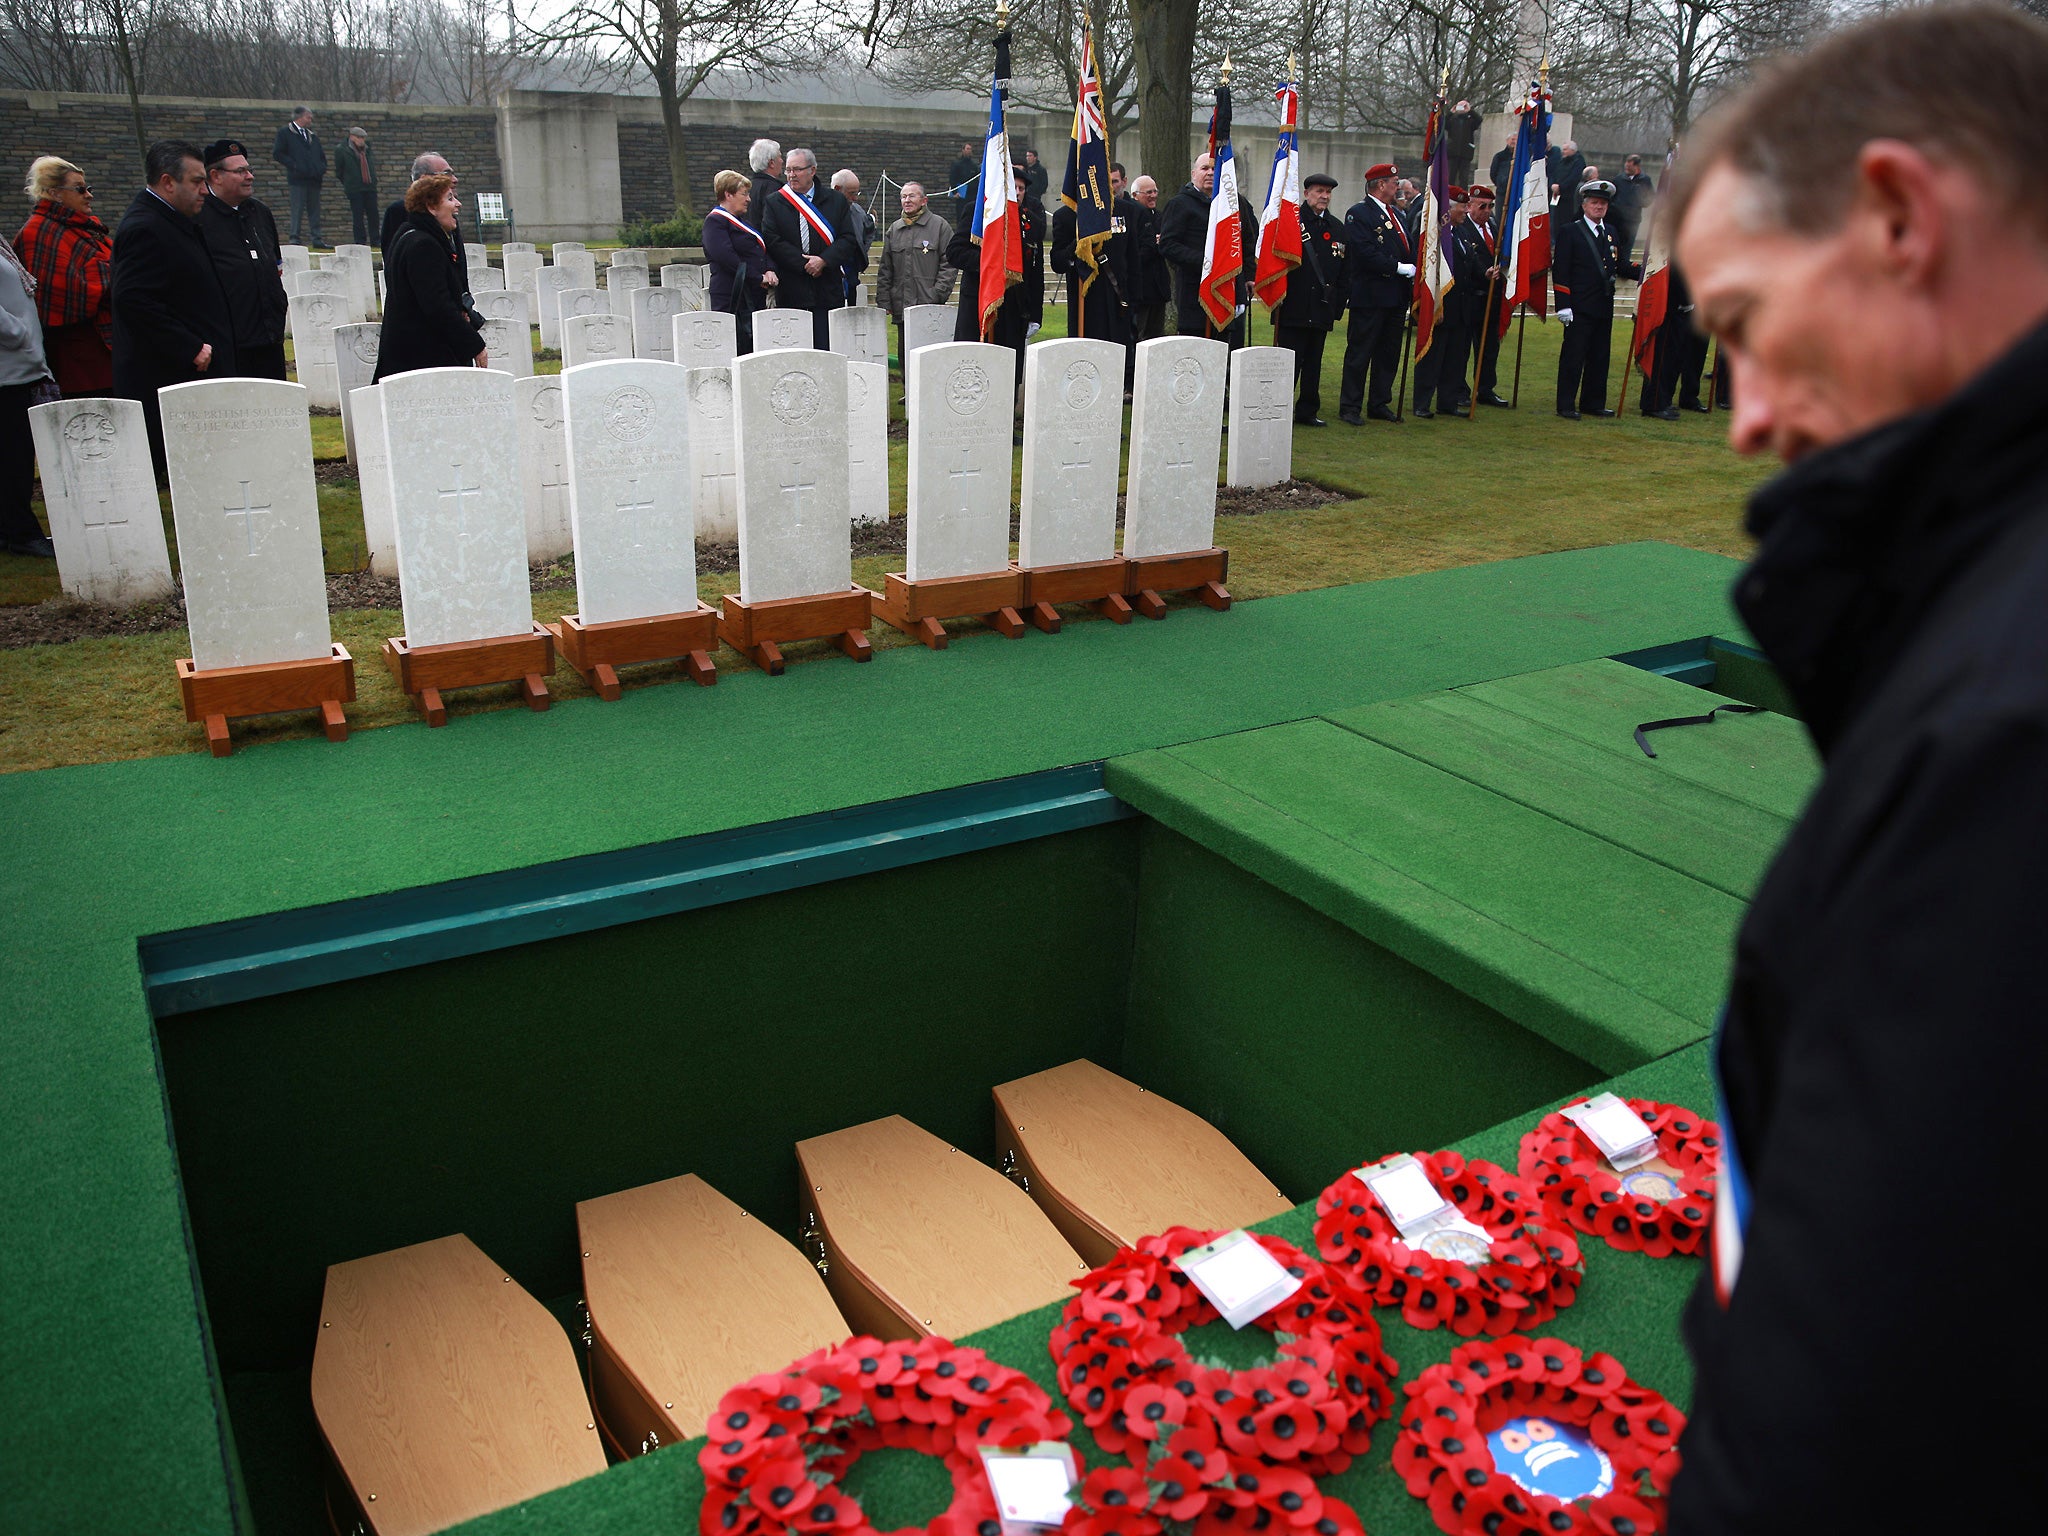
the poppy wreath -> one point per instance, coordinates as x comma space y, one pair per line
1660, 1215
1120, 1501
1443, 1456
1125, 1371
779, 1445
1532, 1269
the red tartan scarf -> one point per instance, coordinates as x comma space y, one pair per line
69, 255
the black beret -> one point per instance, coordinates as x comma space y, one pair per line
220, 149
1319, 179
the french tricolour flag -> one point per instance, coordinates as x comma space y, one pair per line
1223, 250
1280, 219
1653, 299
1526, 222
996, 227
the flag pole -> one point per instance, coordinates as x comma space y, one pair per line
1521, 326
1635, 330
1479, 357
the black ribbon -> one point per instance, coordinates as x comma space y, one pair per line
1643, 730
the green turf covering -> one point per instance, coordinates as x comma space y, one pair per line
103, 1327
1629, 1305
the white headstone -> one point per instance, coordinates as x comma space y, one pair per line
314, 319
517, 248
654, 314
861, 333
924, 324
860, 295
629, 256
240, 454
509, 344
544, 467
962, 424
1261, 417
486, 280
581, 301
621, 283
714, 451
775, 328
520, 267
681, 274
363, 272
867, 440
629, 490
373, 475
328, 283
595, 339
789, 410
560, 246
704, 338
1176, 422
457, 505
549, 284
294, 258
1073, 432
383, 288
100, 492
355, 364
476, 255
503, 306
581, 266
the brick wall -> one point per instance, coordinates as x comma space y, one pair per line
97, 134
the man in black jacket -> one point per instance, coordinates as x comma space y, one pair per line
764, 160
1461, 132
241, 237
1633, 195
1183, 241
426, 163
1379, 258
1440, 372
808, 229
1314, 298
1486, 341
1503, 170
1586, 259
171, 322
1882, 1052
1567, 169
297, 149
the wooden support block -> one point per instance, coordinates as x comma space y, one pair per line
916, 607
1110, 1163
688, 1294
597, 651
443, 1390
1045, 617
1201, 571
424, 671
919, 1238
219, 694
1098, 583
759, 630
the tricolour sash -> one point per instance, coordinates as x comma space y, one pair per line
809, 215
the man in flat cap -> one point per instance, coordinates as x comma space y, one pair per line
1379, 258
241, 238
1315, 297
1585, 261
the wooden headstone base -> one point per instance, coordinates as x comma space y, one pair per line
424, 671
1098, 583
758, 631
1201, 571
916, 607
220, 694
596, 651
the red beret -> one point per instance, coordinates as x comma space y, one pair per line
1380, 172
1482, 192
1458, 194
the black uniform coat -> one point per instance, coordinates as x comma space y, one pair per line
243, 244
1151, 277
1376, 242
1316, 290
1502, 170
1469, 260
760, 189
1106, 318
779, 224
1183, 241
427, 319
168, 303
1565, 171
1023, 306
1888, 991
1583, 269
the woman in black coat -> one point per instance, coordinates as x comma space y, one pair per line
428, 319
740, 273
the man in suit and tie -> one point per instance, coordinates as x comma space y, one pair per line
1379, 258
810, 237
1585, 261
297, 149
1495, 280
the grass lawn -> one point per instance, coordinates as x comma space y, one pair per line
1425, 494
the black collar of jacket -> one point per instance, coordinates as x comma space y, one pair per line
427, 224
1859, 541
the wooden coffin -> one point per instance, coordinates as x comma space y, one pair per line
443, 1390
688, 1296
1110, 1163
920, 1238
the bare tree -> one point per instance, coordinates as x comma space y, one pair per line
1660, 61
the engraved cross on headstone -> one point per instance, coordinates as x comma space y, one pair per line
461, 493
1183, 459
795, 493
720, 485
248, 512
103, 503
964, 472
1077, 446
634, 509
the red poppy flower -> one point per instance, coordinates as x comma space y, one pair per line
1179, 1491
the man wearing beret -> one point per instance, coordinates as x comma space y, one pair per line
1440, 372
1379, 256
1486, 344
1586, 259
241, 238
1314, 299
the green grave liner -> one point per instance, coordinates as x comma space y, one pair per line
104, 1322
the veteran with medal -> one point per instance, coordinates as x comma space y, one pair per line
1379, 256
1314, 299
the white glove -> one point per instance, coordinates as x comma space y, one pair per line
1565, 316
1031, 330
1404, 268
